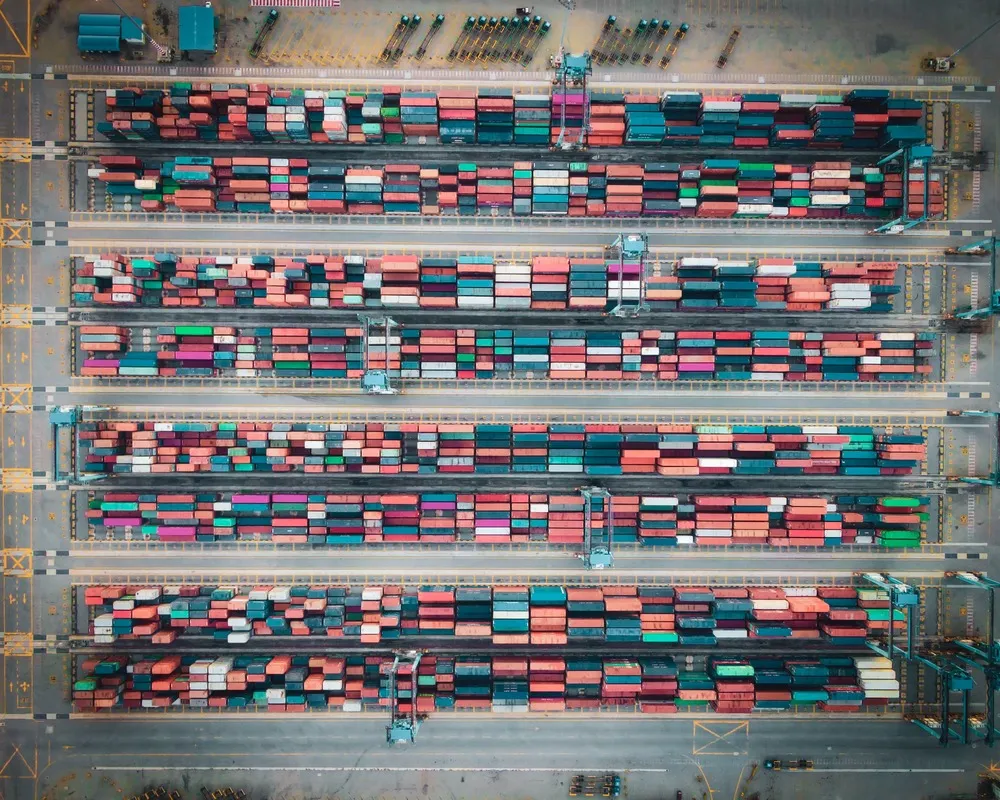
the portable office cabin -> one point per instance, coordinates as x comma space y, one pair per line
196, 31
133, 31
99, 33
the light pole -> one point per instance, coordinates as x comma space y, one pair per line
160, 50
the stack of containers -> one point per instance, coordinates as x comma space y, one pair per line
495, 116
532, 114
644, 122
511, 615
539, 616
363, 190
418, 115
877, 678
756, 119
495, 189
550, 189
510, 685
661, 194
624, 190
718, 120
568, 109
863, 118
387, 448
401, 192
680, 116
657, 615
699, 283
607, 120
457, 110
261, 185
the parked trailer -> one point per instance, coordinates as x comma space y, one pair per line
479, 34
654, 42
619, 46
673, 44
533, 45
727, 51
397, 33
643, 32
400, 48
607, 32
435, 27
610, 44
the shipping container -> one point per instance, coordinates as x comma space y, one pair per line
481, 282
188, 351
260, 113
354, 683
719, 188
142, 447
504, 518
543, 615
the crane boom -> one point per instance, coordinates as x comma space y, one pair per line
976, 38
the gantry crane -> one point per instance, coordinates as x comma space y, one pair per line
630, 248
903, 598
403, 725
952, 676
985, 247
572, 70
982, 654
597, 546
376, 381
909, 157
67, 418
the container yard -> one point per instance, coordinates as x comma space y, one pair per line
498, 402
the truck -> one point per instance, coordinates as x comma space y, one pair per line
727, 51
265, 30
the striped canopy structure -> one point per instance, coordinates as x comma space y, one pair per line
296, 3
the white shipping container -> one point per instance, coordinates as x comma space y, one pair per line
698, 261
872, 662
776, 604
729, 463
827, 199
831, 174
775, 270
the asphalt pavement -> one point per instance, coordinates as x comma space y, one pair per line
478, 755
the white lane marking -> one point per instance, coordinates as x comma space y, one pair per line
589, 768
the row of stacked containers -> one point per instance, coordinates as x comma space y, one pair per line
142, 447
356, 683
861, 119
489, 518
507, 615
517, 616
712, 188
482, 283
192, 351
